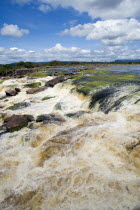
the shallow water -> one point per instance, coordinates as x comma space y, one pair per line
89, 162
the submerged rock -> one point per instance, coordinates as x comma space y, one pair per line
35, 90
53, 82
16, 122
50, 118
20, 105
77, 114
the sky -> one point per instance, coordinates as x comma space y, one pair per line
69, 30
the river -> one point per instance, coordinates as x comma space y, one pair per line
90, 161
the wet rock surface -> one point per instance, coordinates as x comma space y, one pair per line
35, 90
11, 92
50, 118
16, 122
53, 82
20, 105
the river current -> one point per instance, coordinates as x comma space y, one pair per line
90, 161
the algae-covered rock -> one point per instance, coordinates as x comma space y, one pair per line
16, 122
19, 106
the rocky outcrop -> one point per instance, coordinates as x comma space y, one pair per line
50, 118
35, 90
53, 82
16, 122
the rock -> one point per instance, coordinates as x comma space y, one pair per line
16, 122
17, 90
30, 117
20, 105
77, 114
50, 118
53, 82
11, 92
35, 90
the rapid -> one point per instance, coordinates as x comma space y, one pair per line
90, 161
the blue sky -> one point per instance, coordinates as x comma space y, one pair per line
88, 30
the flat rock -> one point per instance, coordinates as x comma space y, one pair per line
11, 92
53, 82
35, 90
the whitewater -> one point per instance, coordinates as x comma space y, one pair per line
90, 161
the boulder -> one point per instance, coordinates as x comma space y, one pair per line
35, 90
17, 90
53, 82
50, 118
16, 122
11, 92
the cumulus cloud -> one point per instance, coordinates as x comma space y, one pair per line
106, 9
13, 30
59, 52
110, 32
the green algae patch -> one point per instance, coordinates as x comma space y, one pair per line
47, 98
33, 85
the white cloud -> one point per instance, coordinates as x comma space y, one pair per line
44, 8
13, 30
59, 52
106, 9
110, 32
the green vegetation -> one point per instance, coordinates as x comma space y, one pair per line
47, 98
38, 74
88, 81
33, 85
